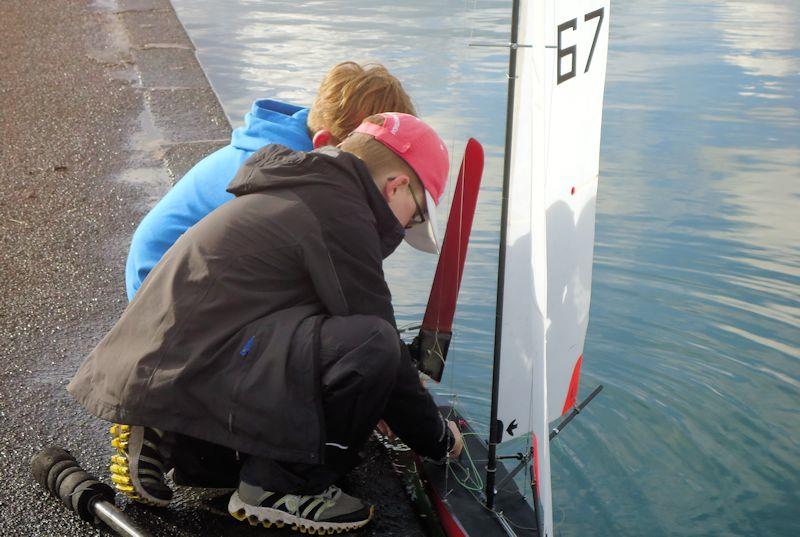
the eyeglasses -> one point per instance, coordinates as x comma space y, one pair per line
419, 214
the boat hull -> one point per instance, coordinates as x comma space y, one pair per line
460, 510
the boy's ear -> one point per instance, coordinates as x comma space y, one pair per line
393, 184
322, 138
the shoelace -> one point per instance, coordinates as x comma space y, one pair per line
331, 492
330, 496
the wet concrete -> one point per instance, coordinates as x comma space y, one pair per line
102, 108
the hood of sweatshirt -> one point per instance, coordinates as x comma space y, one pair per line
273, 122
277, 167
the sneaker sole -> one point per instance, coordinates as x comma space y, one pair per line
268, 517
124, 464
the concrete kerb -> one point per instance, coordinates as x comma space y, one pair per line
182, 120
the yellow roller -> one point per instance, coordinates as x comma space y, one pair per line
120, 479
117, 429
119, 469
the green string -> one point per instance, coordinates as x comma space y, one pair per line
471, 481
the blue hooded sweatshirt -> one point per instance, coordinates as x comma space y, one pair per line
202, 189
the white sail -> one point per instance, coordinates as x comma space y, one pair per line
550, 226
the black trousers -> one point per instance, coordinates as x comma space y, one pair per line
359, 357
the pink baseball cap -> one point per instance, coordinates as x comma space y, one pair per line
421, 148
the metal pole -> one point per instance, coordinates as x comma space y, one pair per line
512, 474
575, 411
491, 466
117, 520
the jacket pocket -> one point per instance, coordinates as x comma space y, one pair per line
243, 350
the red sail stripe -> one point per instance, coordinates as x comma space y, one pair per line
572, 392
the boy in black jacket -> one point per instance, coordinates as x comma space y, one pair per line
268, 329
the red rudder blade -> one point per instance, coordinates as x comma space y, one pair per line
437, 323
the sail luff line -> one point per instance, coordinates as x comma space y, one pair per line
494, 432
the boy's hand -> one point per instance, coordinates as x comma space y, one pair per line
458, 445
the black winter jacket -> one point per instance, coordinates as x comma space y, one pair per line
306, 235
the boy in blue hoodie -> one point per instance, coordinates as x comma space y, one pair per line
348, 94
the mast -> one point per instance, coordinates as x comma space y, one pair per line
494, 432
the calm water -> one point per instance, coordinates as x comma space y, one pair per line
695, 310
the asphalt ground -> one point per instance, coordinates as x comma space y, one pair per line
102, 108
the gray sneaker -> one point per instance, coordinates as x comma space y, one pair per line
330, 512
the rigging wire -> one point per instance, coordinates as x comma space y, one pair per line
471, 473
452, 351
480, 484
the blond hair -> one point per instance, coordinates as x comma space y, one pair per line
350, 92
380, 160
